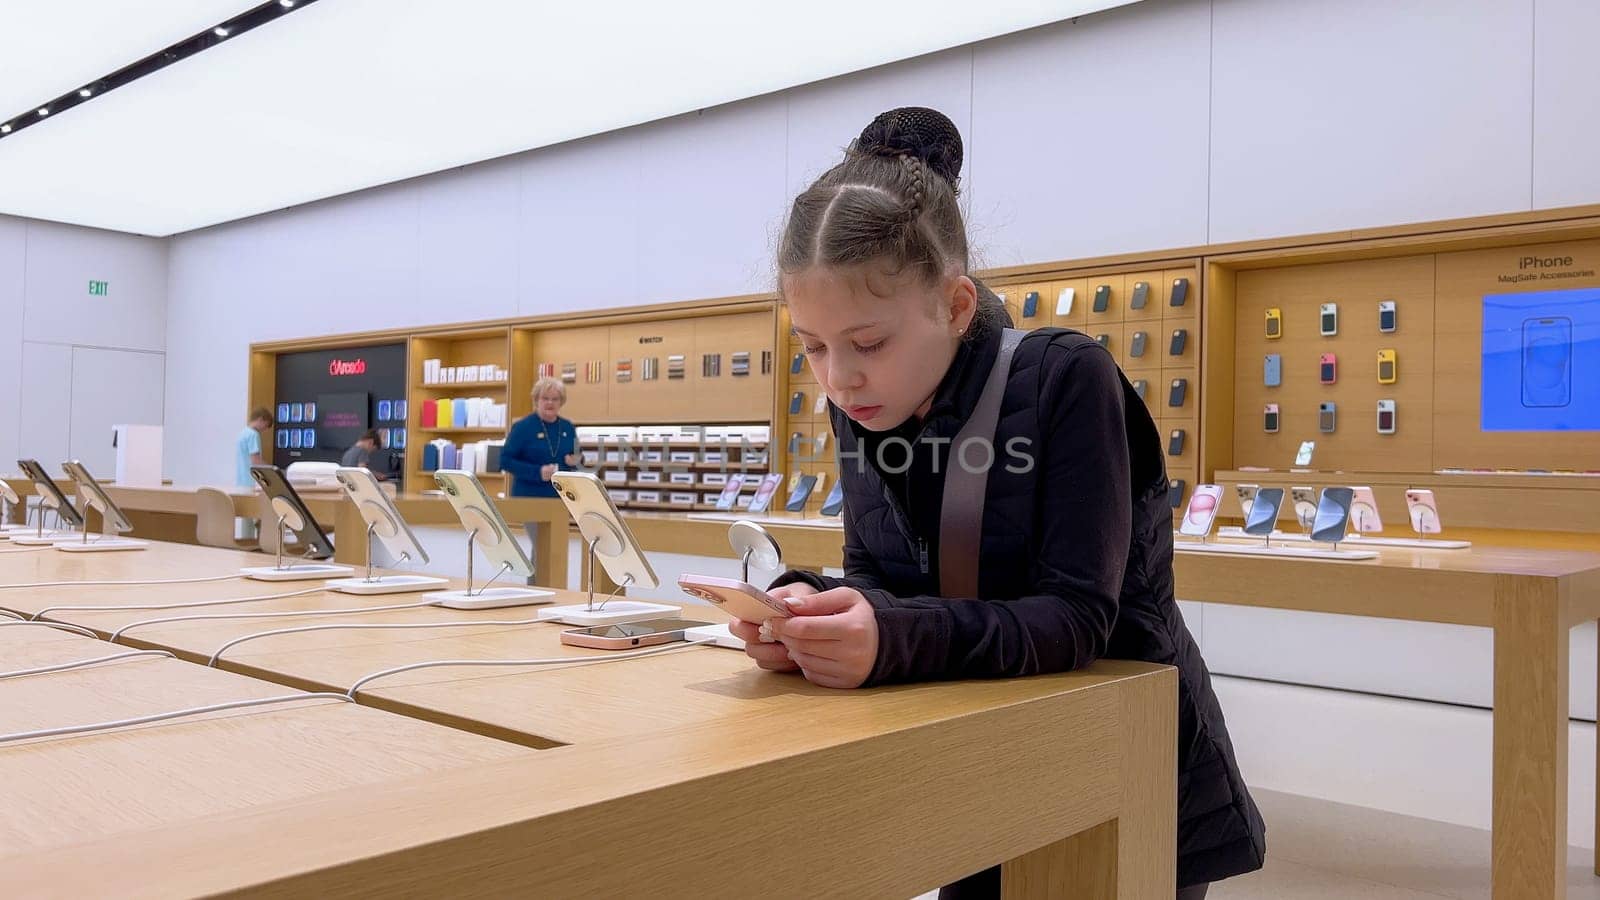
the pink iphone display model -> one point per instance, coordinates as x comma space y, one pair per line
1364, 516
626, 636
1202, 510
1424, 511
740, 600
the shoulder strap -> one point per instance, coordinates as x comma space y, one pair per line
961, 514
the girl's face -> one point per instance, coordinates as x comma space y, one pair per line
549, 405
879, 344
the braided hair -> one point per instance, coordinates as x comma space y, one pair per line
892, 201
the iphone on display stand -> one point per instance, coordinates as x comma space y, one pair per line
95, 497
1263, 516
1202, 510
1328, 368
1303, 456
1388, 367
1246, 494
292, 514
1272, 370
1064, 301
1327, 417
1180, 292
1141, 295
50, 498
1364, 516
1423, 510
1269, 418
1333, 515
488, 532
386, 525
1274, 323
610, 545
1305, 506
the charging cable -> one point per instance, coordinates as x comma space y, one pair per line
353, 626
561, 661
160, 717
270, 615
34, 584
62, 667
61, 625
187, 605
22, 550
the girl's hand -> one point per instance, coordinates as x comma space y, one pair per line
832, 637
769, 654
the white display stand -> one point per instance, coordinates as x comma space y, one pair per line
610, 612
718, 635
1233, 532
830, 522
492, 598
296, 572
1300, 552
103, 545
138, 454
386, 584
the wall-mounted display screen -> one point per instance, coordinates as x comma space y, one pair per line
1541, 361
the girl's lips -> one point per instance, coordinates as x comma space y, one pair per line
862, 413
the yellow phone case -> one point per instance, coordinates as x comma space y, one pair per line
1274, 323
1393, 367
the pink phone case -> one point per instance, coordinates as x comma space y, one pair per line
740, 600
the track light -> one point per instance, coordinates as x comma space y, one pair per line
84, 92
286, 4
5, 129
219, 31
44, 110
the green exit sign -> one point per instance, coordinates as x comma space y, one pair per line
99, 288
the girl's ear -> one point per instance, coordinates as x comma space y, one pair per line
962, 301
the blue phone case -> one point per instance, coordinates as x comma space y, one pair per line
1030, 304
1272, 370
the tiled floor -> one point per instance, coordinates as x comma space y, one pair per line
1320, 850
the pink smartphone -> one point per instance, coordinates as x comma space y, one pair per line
1202, 509
1364, 511
1424, 511
626, 636
742, 601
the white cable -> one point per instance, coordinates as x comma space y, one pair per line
22, 550
62, 667
333, 626
185, 605
271, 615
33, 584
7, 612
61, 625
562, 660
159, 717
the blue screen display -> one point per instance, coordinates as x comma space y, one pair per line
1541, 361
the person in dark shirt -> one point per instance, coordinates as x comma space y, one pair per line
1071, 560
360, 453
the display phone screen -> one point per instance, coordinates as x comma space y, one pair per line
1264, 511
1269, 419
1333, 514
1330, 319
1385, 418
1547, 362
640, 629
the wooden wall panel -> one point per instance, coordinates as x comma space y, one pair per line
638, 400
1463, 281
727, 397
1357, 287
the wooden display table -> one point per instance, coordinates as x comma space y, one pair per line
1531, 598
1067, 779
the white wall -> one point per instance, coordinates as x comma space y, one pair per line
71, 364
1163, 124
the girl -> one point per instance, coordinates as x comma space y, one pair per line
1072, 539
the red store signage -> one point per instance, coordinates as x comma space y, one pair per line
356, 366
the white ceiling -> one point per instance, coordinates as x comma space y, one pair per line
348, 94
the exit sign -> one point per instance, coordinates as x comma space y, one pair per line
99, 288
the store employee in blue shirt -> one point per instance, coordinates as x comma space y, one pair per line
541, 444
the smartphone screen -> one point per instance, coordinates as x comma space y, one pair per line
1264, 511
1333, 514
1547, 362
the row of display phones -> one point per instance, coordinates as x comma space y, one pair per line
1325, 518
1177, 392
1328, 319
1101, 301
1328, 417
1328, 368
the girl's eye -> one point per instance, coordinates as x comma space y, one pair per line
810, 350
874, 348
